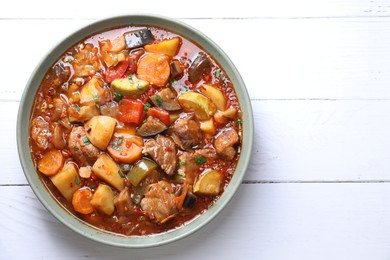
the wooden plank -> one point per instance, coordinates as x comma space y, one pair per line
202, 9
286, 58
295, 140
288, 221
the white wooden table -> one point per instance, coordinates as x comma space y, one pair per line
318, 74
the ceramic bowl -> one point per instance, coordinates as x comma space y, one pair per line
25, 111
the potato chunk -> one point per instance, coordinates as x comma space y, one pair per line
103, 199
92, 92
106, 169
197, 103
215, 95
168, 47
67, 181
99, 130
209, 183
82, 114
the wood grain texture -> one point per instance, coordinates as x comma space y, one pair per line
289, 58
318, 74
268, 221
295, 140
277, 9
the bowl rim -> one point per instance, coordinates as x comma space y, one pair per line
23, 120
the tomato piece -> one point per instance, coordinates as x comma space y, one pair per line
130, 111
161, 114
113, 73
133, 61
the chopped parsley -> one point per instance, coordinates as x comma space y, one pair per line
77, 108
86, 140
179, 177
238, 122
218, 73
119, 141
184, 89
146, 107
200, 160
97, 105
76, 149
121, 174
117, 97
183, 163
76, 180
131, 78
95, 97
119, 149
116, 144
159, 101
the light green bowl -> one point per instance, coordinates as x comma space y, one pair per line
49, 201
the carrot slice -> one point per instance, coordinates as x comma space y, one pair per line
180, 199
81, 201
51, 162
154, 68
125, 147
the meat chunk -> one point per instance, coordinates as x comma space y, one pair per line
186, 132
224, 142
159, 202
123, 203
166, 99
188, 167
163, 152
40, 132
85, 152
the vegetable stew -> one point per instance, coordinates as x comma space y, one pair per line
136, 130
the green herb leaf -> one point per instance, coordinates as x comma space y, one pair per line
159, 101
183, 163
117, 97
76, 180
119, 149
119, 140
77, 108
146, 107
95, 97
86, 140
200, 160
184, 89
238, 122
76, 149
131, 78
178, 177
97, 105
121, 174
218, 73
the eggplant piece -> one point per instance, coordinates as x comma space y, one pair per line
138, 38
200, 65
189, 201
177, 69
166, 99
151, 126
